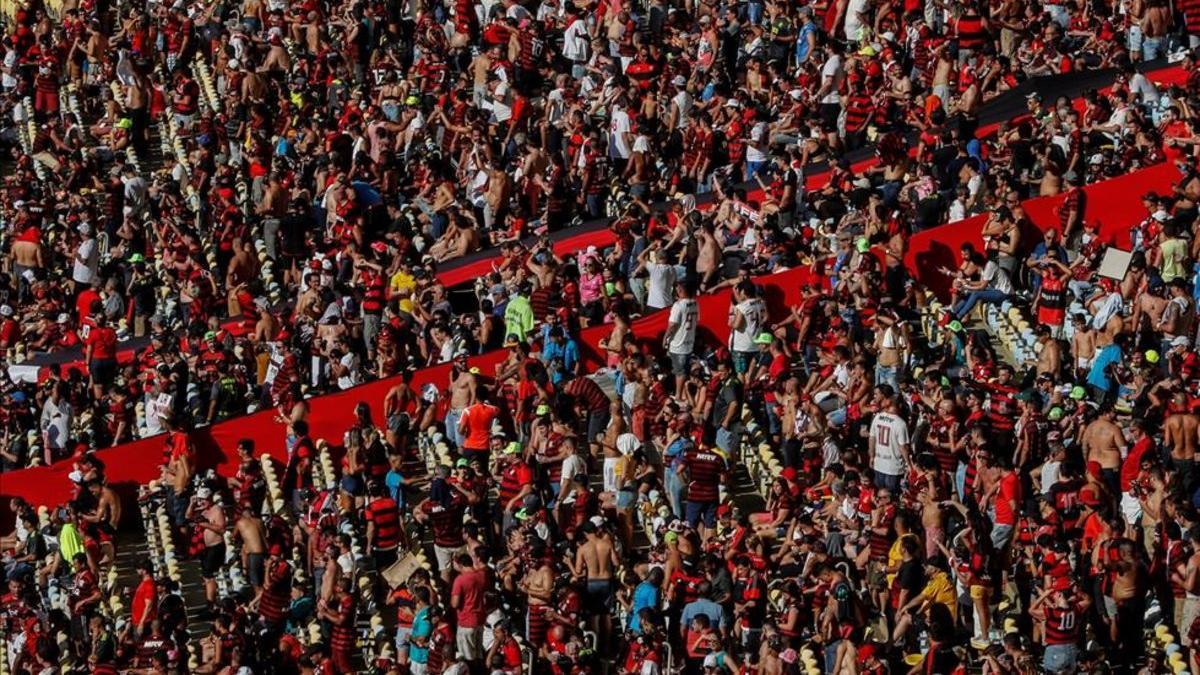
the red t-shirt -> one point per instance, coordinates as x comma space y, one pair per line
83, 304
103, 341
471, 587
145, 601
510, 652
1132, 465
1010, 492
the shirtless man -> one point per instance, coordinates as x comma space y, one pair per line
27, 257
1083, 345
1128, 593
1049, 359
273, 208
209, 517
396, 404
596, 561
941, 75
1190, 607
460, 238
243, 268
1150, 306
769, 662
106, 516
481, 67
499, 188
538, 585
708, 258
893, 346
254, 86
267, 327
253, 535
461, 393
277, 57
1179, 435
1104, 443
1154, 22
137, 102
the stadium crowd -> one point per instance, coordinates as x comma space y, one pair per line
218, 209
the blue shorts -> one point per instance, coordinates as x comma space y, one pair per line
701, 511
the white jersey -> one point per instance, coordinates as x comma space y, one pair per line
755, 314
891, 434
685, 314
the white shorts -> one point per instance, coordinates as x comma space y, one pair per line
470, 643
445, 556
1131, 508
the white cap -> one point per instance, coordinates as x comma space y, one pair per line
64, 318
796, 94
75, 477
679, 81
6, 310
598, 521
1161, 216
234, 64
628, 443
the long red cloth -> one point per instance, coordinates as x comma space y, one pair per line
1114, 203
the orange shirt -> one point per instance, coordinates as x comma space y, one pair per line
477, 419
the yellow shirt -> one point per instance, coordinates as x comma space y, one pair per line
940, 589
401, 281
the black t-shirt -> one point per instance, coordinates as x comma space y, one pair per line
142, 290
729, 393
911, 577
722, 583
292, 230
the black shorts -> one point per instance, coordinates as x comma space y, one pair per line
256, 568
103, 371
829, 116
211, 561
399, 424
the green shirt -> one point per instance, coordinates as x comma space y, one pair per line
1174, 254
70, 542
518, 317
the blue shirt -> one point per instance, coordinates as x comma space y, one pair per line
802, 46
676, 450
1042, 251
714, 612
421, 628
395, 485
567, 353
1098, 377
645, 595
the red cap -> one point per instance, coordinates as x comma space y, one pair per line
865, 653
788, 473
